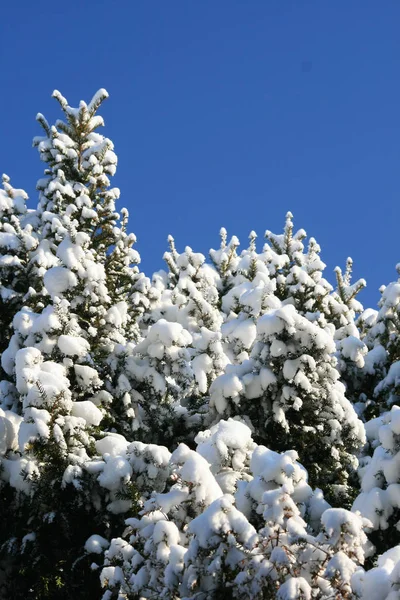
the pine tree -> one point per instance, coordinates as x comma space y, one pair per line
61, 355
181, 353
272, 537
289, 392
195, 292
247, 298
379, 498
17, 240
299, 277
194, 286
383, 358
296, 276
225, 260
342, 310
157, 375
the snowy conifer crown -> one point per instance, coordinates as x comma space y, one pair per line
223, 429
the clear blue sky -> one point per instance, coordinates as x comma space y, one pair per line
224, 112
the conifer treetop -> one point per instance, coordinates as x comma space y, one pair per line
74, 147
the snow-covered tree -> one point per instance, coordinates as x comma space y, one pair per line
171, 369
248, 298
195, 295
379, 498
225, 260
343, 309
298, 273
194, 541
17, 240
151, 428
60, 359
382, 368
289, 391
157, 375
300, 280
194, 287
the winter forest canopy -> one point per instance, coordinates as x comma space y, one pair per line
228, 428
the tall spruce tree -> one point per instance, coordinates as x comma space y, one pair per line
246, 299
383, 359
61, 355
196, 296
299, 276
225, 259
17, 240
171, 369
289, 393
344, 311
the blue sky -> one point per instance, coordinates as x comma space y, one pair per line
224, 113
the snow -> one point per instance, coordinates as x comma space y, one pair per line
243, 331
202, 365
225, 386
354, 349
96, 544
216, 444
100, 95
376, 584
9, 241
295, 588
20, 472
196, 471
85, 409
166, 334
73, 345
117, 314
59, 280
87, 377
113, 444
116, 470
391, 379
72, 254
9, 428
221, 517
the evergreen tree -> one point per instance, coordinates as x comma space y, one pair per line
60, 356
273, 537
194, 286
289, 392
225, 260
157, 375
101, 364
17, 240
299, 277
249, 297
383, 359
379, 498
343, 309
296, 276
195, 292
181, 354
